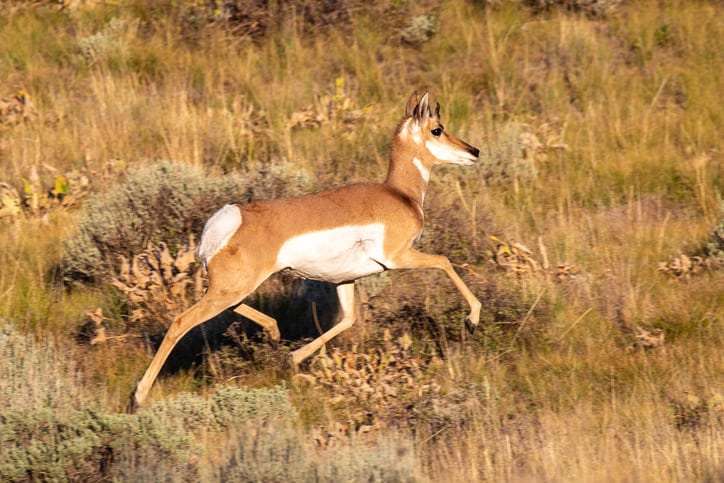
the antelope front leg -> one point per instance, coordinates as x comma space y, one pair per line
345, 292
414, 259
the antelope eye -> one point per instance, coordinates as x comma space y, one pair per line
437, 131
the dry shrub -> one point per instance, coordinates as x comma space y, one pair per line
16, 109
10, 203
513, 258
380, 385
709, 257
684, 266
159, 285
258, 18
37, 199
692, 412
384, 373
255, 18
385, 386
593, 8
338, 109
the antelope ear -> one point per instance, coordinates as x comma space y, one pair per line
437, 110
411, 104
422, 110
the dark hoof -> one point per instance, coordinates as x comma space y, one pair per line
132, 405
470, 326
288, 364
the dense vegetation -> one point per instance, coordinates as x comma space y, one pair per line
592, 230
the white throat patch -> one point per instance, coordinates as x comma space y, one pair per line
424, 172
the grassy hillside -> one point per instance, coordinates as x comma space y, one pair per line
592, 230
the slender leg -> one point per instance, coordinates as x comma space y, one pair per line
414, 259
212, 304
269, 324
345, 292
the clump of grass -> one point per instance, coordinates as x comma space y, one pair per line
280, 454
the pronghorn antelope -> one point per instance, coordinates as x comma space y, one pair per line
335, 236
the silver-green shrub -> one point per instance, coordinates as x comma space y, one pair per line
509, 156
107, 42
164, 202
51, 429
160, 202
420, 29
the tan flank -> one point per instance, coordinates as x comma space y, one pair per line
336, 236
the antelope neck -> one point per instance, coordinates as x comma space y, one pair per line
408, 174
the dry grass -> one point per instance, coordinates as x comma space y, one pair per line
614, 123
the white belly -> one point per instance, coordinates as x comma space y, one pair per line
335, 255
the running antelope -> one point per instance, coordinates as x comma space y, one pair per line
335, 236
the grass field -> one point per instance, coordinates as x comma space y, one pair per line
592, 230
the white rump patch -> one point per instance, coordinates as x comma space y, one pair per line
445, 152
218, 231
335, 255
424, 172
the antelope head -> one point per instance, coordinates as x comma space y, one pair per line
433, 144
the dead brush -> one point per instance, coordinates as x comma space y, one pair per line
710, 257
16, 109
518, 261
683, 266
37, 199
691, 412
377, 387
513, 258
338, 110
158, 284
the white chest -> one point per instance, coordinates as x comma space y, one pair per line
335, 255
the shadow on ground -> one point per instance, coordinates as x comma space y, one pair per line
302, 309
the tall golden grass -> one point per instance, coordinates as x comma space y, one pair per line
633, 96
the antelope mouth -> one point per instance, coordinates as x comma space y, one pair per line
468, 158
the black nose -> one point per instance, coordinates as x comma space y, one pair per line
474, 151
